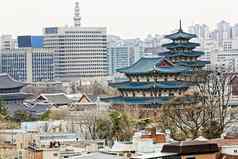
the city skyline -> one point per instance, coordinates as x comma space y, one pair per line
128, 19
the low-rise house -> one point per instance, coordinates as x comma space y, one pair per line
8, 151
228, 147
18, 137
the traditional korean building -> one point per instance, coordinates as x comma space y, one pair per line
152, 82
10, 90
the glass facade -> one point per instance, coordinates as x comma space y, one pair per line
30, 41
42, 66
14, 63
28, 64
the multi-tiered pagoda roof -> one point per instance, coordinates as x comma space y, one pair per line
152, 82
152, 65
181, 50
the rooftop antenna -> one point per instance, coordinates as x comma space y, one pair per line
77, 18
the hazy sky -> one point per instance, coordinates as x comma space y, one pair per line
127, 18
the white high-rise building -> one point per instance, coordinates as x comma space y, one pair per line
202, 31
81, 52
229, 45
7, 42
225, 60
235, 31
224, 31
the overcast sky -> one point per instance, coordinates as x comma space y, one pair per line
127, 18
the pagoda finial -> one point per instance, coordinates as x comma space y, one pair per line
180, 25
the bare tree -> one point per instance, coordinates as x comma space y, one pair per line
215, 93
187, 114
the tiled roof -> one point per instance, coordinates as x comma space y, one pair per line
15, 96
58, 98
150, 85
12, 108
179, 53
180, 35
188, 45
193, 63
38, 109
147, 65
137, 100
6, 82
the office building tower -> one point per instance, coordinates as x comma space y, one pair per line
224, 32
81, 52
28, 64
235, 31
8, 42
229, 45
202, 31
118, 58
225, 61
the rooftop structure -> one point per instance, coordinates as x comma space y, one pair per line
152, 82
190, 147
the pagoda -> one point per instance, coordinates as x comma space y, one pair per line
152, 82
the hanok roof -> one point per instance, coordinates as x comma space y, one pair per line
180, 35
38, 109
193, 63
190, 147
180, 53
12, 108
150, 85
57, 99
137, 100
15, 96
174, 45
147, 65
6, 82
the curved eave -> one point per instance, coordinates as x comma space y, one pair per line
136, 100
144, 64
149, 85
180, 35
164, 70
186, 54
180, 45
193, 63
